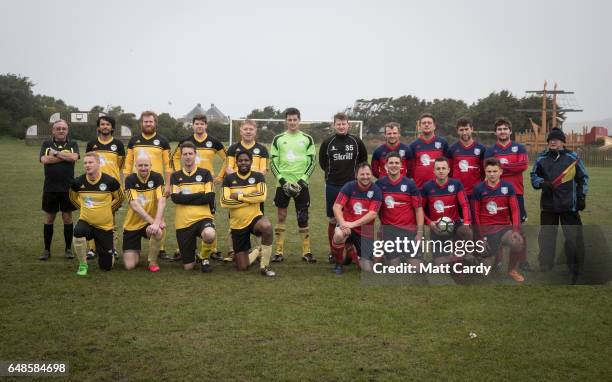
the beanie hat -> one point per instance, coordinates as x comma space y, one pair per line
556, 133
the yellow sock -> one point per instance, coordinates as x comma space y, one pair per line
257, 241
153, 249
80, 247
304, 233
254, 254
214, 245
162, 243
266, 254
91, 245
206, 250
279, 236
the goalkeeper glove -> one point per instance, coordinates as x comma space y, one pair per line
294, 189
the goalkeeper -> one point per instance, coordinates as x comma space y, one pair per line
292, 161
563, 179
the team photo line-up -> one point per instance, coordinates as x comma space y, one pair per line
463, 191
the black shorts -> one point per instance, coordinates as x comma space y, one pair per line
103, 240
494, 241
302, 201
186, 239
52, 202
390, 233
241, 238
363, 245
331, 193
131, 239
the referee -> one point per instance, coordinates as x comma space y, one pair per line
58, 155
563, 179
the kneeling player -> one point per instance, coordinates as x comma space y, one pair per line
145, 217
243, 193
192, 192
446, 197
401, 214
355, 210
97, 195
497, 216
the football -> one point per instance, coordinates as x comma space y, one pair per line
445, 225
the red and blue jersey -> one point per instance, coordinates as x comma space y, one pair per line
448, 200
496, 207
424, 152
356, 202
400, 199
514, 160
379, 161
466, 164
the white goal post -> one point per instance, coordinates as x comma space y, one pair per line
356, 123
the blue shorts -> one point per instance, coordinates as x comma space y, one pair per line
331, 193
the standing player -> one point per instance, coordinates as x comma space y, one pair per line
563, 179
58, 155
339, 156
497, 217
98, 195
401, 213
446, 197
206, 148
425, 149
392, 138
514, 161
156, 147
355, 210
259, 153
145, 216
292, 161
243, 193
466, 156
192, 192
112, 155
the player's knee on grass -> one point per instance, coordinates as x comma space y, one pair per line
302, 217
366, 265
242, 261
208, 235
130, 259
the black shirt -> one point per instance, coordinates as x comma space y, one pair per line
58, 176
339, 156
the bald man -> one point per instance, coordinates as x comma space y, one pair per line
144, 191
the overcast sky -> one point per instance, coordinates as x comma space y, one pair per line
317, 55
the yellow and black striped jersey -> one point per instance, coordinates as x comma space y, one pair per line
257, 150
155, 146
96, 199
251, 190
111, 153
147, 192
193, 195
206, 149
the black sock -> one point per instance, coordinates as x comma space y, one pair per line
68, 235
48, 231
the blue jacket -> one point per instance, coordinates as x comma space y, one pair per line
550, 166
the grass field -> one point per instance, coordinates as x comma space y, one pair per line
306, 324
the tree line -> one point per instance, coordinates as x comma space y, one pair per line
21, 108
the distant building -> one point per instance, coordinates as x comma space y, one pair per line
213, 115
596, 132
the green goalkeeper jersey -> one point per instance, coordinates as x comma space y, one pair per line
292, 156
